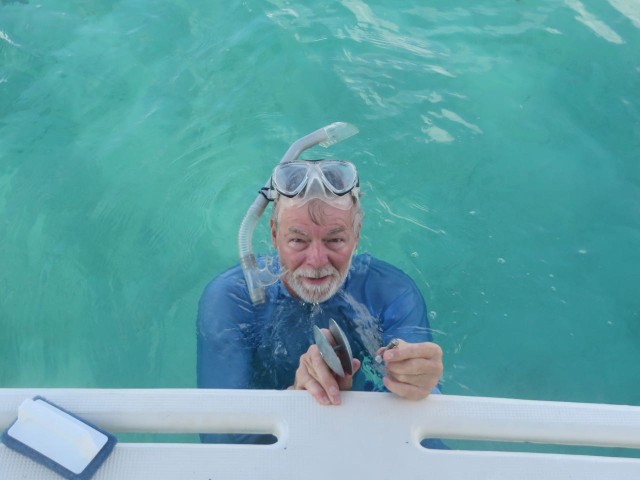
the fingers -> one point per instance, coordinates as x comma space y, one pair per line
327, 386
316, 390
405, 351
346, 382
405, 390
413, 369
314, 375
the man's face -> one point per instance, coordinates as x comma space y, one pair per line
316, 254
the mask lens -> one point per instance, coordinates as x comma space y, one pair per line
290, 178
341, 177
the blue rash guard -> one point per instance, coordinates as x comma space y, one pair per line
241, 345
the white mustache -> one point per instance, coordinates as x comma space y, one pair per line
316, 273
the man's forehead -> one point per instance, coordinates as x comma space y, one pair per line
301, 230
331, 221
327, 214
320, 213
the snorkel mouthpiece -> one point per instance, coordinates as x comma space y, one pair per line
257, 278
250, 269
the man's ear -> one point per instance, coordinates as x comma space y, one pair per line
272, 223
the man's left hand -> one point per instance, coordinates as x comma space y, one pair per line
413, 369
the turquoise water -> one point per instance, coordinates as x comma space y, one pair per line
498, 153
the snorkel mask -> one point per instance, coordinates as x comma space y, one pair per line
298, 181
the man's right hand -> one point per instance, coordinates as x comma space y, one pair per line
314, 375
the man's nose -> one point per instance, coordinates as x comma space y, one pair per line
317, 255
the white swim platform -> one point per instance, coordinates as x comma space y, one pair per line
370, 436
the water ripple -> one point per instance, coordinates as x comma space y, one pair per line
590, 20
387, 209
5, 37
628, 8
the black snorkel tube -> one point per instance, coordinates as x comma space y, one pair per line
255, 277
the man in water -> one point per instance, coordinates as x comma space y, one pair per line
315, 229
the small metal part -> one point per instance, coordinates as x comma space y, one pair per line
339, 358
392, 344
